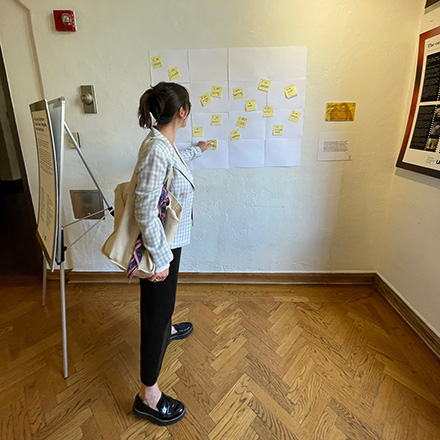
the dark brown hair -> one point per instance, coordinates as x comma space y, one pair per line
162, 101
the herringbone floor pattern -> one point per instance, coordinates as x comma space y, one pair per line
264, 362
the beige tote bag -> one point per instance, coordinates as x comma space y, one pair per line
119, 247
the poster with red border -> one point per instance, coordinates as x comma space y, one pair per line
420, 150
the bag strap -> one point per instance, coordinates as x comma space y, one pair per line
169, 178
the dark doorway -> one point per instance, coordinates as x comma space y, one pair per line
20, 253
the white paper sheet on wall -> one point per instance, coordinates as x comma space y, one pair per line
281, 118
169, 60
210, 131
286, 62
249, 91
255, 124
216, 104
249, 63
218, 158
246, 153
230, 89
282, 153
276, 96
208, 64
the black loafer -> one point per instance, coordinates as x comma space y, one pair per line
184, 329
168, 411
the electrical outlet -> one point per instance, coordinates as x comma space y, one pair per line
69, 141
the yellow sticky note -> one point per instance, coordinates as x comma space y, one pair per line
235, 135
241, 122
290, 91
251, 105
173, 73
216, 119
294, 116
205, 99
278, 130
216, 91
238, 93
197, 132
264, 85
268, 111
213, 144
156, 62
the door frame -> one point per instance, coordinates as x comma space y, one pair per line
4, 84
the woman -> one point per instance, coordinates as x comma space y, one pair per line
170, 106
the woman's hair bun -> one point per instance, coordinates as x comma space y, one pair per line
162, 101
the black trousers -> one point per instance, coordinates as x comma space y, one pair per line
157, 307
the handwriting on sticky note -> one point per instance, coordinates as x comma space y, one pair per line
212, 144
238, 93
241, 122
251, 105
173, 73
216, 119
197, 132
235, 135
216, 91
278, 130
290, 91
294, 116
264, 85
268, 111
205, 99
156, 62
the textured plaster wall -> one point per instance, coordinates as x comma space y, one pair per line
409, 258
321, 216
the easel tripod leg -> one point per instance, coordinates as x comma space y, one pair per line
63, 319
44, 281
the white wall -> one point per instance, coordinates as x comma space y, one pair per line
409, 258
322, 216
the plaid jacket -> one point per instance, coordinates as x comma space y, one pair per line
157, 158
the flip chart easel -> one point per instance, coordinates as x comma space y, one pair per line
49, 128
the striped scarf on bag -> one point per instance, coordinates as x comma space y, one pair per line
139, 247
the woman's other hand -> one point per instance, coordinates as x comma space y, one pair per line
204, 145
160, 276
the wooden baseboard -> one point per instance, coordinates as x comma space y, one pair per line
276, 278
419, 327
226, 278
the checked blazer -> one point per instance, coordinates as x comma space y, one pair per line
157, 158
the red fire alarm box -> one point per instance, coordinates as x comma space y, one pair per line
64, 21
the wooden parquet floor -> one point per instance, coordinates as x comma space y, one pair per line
264, 362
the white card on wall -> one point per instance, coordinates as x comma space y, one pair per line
336, 146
